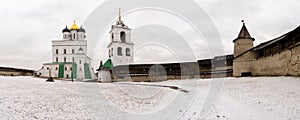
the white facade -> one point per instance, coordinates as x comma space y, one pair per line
69, 57
121, 46
104, 76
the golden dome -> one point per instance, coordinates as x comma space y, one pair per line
74, 26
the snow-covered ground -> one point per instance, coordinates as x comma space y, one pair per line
275, 98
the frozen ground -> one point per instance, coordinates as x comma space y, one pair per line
275, 98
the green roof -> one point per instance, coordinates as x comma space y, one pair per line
107, 65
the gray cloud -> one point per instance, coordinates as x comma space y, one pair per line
29, 26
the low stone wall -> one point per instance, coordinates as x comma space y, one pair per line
15, 72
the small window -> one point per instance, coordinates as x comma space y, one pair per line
109, 53
47, 68
79, 61
127, 52
56, 68
112, 36
73, 59
65, 51
56, 59
56, 51
79, 69
73, 51
122, 36
119, 51
80, 50
66, 68
65, 59
112, 52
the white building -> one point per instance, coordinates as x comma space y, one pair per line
120, 48
69, 56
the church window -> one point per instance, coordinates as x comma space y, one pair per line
73, 59
109, 53
79, 69
56, 51
120, 51
122, 36
65, 59
112, 51
56, 59
73, 51
80, 50
66, 68
47, 68
65, 51
56, 68
112, 36
79, 61
127, 52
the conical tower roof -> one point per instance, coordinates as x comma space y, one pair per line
244, 34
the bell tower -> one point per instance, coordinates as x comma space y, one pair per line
243, 42
120, 46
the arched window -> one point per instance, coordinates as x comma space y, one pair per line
112, 36
56, 51
127, 52
65, 51
122, 36
56, 59
65, 59
109, 53
120, 51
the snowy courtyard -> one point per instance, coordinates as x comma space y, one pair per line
274, 98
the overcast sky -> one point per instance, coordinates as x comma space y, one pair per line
29, 26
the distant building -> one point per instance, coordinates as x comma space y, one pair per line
277, 57
69, 56
6, 71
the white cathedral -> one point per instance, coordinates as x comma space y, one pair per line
69, 57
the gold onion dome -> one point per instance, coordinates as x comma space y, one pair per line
74, 26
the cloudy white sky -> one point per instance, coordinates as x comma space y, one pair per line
29, 26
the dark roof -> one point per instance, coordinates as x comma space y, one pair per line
81, 29
244, 34
66, 30
15, 69
286, 36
